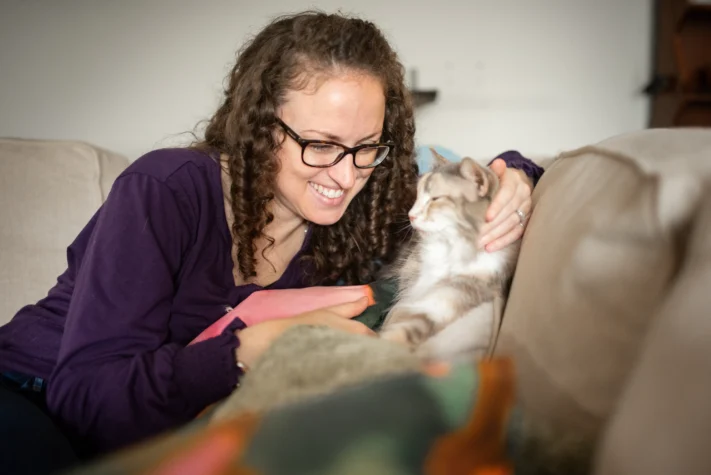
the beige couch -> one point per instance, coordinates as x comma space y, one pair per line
609, 318
48, 192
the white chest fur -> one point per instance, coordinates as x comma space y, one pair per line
441, 260
462, 324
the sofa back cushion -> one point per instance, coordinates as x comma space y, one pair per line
48, 192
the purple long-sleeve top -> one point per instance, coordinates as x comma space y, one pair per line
149, 272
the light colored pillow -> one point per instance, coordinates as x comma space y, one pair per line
599, 256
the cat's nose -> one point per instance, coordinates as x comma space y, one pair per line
412, 217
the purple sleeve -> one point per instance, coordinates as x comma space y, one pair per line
117, 380
515, 160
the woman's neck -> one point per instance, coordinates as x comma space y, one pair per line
285, 223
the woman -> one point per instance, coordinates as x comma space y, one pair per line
305, 174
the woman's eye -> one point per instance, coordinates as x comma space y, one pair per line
322, 148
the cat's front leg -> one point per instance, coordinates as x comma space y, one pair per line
468, 338
406, 326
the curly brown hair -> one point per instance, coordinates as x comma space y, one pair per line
274, 61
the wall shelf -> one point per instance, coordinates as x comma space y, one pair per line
421, 97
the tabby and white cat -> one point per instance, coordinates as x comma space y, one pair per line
451, 293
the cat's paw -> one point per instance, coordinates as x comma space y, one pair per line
409, 333
395, 334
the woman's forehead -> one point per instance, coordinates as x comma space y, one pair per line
345, 107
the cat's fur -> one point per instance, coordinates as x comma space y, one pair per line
451, 293
309, 361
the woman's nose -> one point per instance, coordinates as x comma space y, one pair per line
344, 172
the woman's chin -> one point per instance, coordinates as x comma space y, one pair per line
324, 217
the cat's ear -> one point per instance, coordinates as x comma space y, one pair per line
476, 173
439, 160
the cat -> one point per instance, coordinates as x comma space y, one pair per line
450, 293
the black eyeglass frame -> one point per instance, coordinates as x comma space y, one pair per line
346, 150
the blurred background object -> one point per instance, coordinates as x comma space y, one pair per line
680, 88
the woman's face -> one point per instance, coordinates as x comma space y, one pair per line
348, 108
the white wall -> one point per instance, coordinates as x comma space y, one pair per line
535, 75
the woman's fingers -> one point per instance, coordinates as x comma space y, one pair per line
349, 309
509, 224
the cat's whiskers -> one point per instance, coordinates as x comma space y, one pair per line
406, 228
355, 241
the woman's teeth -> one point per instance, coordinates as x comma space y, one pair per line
327, 192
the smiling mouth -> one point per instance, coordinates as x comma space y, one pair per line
327, 192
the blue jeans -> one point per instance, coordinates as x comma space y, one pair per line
30, 442
23, 382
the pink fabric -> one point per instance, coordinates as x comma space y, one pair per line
265, 305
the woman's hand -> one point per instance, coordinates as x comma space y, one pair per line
504, 225
256, 339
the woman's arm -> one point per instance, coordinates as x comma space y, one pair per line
514, 159
117, 380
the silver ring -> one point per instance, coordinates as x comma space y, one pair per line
521, 217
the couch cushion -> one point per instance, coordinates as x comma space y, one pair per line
600, 254
662, 421
48, 192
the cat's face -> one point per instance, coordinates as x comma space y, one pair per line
453, 199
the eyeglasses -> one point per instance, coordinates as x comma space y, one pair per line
324, 154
